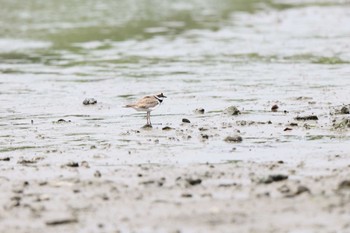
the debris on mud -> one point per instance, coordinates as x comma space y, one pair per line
300, 190
199, 111
233, 139
232, 110
273, 178
89, 101
62, 121
61, 221
5, 159
342, 124
306, 118
167, 128
72, 164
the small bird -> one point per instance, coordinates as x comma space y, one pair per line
147, 104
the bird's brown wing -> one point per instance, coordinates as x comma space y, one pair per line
147, 102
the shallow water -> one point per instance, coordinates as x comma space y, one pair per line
201, 54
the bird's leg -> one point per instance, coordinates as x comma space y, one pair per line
148, 118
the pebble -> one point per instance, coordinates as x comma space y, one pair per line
345, 110
199, 111
89, 101
345, 184
274, 178
72, 164
167, 128
236, 138
232, 110
61, 221
274, 108
193, 181
184, 120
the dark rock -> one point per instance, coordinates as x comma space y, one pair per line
306, 118
72, 164
63, 121
205, 136
287, 129
167, 128
273, 178
61, 221
89, 101
293, 124
193, 181
232, 110
233, 139
184, 120
5, 159
345, 184
199, 111
274, 108
345, 110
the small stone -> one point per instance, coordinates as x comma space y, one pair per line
89, 101
287, 129
345, 184
293, 124
97, 174
72, 164
232, 110
306, 118
205, 136
61, 221
199, 111
274, 108
186, 195
345, 110
273, 178
193, 181
166, 128
5, 159
62, 121
233, 139
302, 189
184, 120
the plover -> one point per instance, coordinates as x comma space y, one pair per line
147, 104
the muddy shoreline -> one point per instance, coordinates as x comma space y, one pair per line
237, 196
